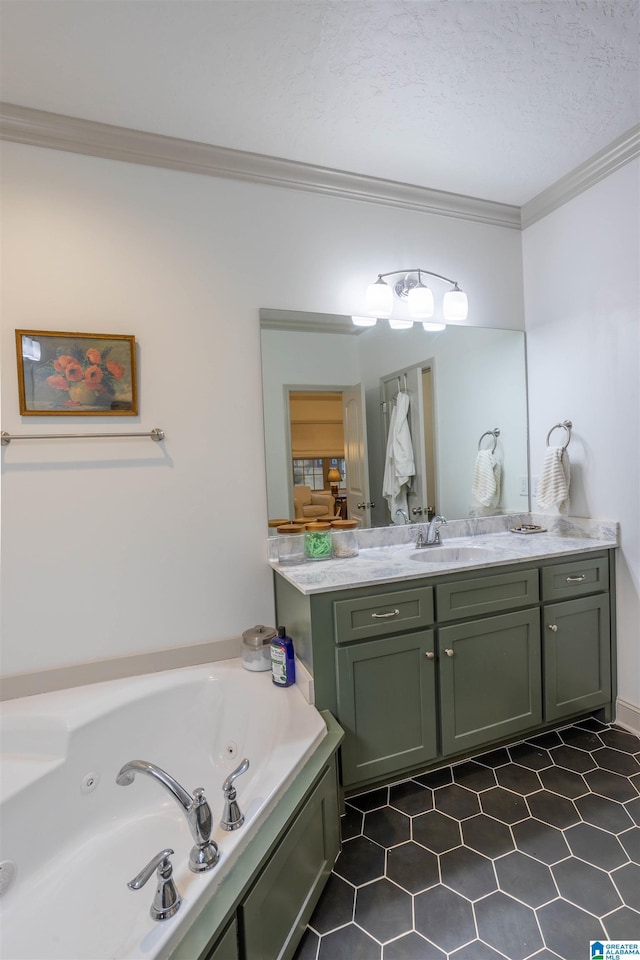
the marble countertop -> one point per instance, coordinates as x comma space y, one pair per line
389, 555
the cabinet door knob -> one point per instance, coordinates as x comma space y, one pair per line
553, 626
450, 653
430, 655
576, 579
385, 616
417, 511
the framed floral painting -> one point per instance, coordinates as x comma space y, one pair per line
72, 374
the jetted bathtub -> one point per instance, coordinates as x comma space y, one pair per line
71, 838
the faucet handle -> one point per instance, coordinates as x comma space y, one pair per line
167, 900
227, 785
232, 818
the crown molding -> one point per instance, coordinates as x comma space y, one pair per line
58, 132
599, 166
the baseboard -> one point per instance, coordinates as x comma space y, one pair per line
628, 716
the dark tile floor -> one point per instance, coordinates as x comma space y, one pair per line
528, 851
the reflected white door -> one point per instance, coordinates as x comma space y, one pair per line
421, 492
355, 455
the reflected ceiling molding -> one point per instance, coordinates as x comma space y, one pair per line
301, 322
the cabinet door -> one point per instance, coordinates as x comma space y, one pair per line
227, 946
577, 656
490, 679
274, 914
387, 705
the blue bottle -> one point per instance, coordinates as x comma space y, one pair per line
283, 664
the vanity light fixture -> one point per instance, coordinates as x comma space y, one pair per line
410, 289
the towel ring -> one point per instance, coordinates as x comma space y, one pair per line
565, 425
495, 433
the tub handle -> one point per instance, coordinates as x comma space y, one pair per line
232, 818
167, 900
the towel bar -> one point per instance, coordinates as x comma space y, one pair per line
5, 438
565, 425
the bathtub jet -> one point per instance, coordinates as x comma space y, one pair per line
204, 854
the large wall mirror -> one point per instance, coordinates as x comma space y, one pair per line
328, 393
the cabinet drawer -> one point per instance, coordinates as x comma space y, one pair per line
383, 614
471, 598
562, 581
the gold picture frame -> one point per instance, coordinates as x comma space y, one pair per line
76, 374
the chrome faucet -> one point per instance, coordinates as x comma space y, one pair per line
403, 514
433, 532
232, 818
204, 855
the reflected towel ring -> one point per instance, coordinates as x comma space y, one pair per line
495, 433
565, 425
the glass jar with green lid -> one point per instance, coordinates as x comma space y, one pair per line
317, 541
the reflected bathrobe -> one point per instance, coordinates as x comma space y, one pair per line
400, 466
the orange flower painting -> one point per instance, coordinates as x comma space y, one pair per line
76, 374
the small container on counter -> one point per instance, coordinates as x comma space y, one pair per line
283, 661
344, 538
291, 543
256, 647
274, 524
317, 541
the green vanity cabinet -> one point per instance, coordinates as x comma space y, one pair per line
577, 638
490, 679
387, 705
446, 665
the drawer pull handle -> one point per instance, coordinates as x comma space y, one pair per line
450, 653
385, 616
430, 655
553, 627
577, 579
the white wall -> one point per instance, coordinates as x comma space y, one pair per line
582, 303
120, 547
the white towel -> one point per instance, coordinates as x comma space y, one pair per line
399, 466
553, 485
486, 479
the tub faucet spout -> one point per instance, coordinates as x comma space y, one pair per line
204, 855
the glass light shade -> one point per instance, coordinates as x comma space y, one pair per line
396, 324
420, 302
434, 327
364, 321
455, 305
379, 299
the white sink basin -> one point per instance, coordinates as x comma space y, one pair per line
453, 555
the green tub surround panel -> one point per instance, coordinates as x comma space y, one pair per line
424, 670
261, 909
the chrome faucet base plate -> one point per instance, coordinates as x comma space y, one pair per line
204, 857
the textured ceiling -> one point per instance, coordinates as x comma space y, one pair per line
495, 99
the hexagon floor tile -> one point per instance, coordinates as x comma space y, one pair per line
527, 851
